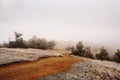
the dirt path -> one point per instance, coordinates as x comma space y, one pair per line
33, 70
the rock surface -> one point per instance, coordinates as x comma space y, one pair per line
88, 70
17, 55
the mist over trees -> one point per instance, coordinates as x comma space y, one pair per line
81, 50
78, 50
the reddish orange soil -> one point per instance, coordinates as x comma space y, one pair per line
35, 69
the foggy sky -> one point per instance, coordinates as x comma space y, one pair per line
89, 20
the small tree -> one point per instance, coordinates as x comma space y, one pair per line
17, 35
18, 43
117, 56
103, 55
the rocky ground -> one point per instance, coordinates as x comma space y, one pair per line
54, 68
35, 69
10, 55
88, 70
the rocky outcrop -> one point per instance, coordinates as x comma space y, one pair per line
88, 70
10, 55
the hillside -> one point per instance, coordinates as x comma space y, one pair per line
31, 70
59, 65
88, 70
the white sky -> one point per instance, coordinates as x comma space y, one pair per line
89, 20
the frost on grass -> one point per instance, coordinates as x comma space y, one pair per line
17, 55
88, 70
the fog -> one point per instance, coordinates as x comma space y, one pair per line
93, 21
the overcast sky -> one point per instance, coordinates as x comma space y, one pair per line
89, 20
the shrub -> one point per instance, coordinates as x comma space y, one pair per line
103, 55
34, 42
12, 44
51, 44
88, 53
75, 51
69, 48
40, 43
31, 42
117, 56
79, 50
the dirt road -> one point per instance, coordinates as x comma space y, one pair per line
35, 69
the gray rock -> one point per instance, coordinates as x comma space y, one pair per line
89, 70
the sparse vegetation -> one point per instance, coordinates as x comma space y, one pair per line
69, 48
37, 43
81, 51
34, 42
117, 56
103, 55
51, 44
40, 43
88, 53
18, 43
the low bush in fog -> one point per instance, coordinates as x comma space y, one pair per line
69, 48
80, 50
88, 53
51, 44
103, 54
117, 56
40, 43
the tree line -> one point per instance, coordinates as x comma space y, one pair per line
34, 42
41, 43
